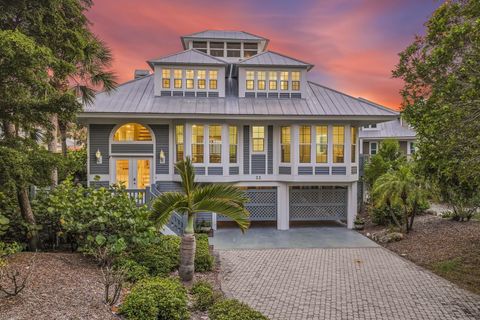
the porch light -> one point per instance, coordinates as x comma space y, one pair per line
98, 155
162, 156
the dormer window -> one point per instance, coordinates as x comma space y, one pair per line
261, 80
250, 80
233, 49
217, 49
272, 84
212, 82
177, 78
295, 81
201, 79
284, 80
200, 46
250, 49
189, 79
166, 78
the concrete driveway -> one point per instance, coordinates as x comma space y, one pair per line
337, 283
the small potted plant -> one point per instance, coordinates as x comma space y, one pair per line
205, 227
359, 223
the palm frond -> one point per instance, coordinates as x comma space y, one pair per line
229, 209
167, 203
187, 173
220, 191
85, 93
105, 79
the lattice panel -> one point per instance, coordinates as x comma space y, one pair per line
318, 204
262, 205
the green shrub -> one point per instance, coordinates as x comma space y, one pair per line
204, 260
133, 270
204, 297
156, 298
160, 257
383, 215
231, 309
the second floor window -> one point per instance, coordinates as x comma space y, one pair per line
197, 143
338, 144
201, 79
216, 49
305, 141
215, 143
258, 138
285, 140
296, 81
411, 147
284, 80
179, 142
200, 46
233, 139
321, 137
250, 49
189, 79
272, 82
166, 78
177, 78
373, 148
250, 80
261, 79
212, 79
353, 143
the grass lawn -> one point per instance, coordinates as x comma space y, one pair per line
448, 248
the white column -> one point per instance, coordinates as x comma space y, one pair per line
214, 221
283, 214
352, 204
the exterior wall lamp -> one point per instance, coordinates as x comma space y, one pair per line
162, 157
98, 155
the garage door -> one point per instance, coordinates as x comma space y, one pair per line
262, 205
318, 203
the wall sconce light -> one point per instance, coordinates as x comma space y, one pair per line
162, 157
98, 155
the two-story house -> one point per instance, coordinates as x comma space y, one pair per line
245, 115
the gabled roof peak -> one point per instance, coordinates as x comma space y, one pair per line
272, 58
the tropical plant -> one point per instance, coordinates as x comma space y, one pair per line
388, 158
222, 199
401, 187
231, 309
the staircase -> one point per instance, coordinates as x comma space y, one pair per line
177, 222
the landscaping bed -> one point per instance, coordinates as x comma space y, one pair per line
448, 248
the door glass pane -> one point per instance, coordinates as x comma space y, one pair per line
122, 172
143, 174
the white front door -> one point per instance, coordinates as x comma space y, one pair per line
134, 173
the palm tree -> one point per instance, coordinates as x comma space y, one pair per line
400, 187
222, 199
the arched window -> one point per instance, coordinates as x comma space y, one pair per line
132, 132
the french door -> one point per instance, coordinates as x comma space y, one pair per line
134, 173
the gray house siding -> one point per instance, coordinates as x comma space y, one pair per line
99, 135
161, 132
165, 186
246, 149
270, 150
132, 148
258, 164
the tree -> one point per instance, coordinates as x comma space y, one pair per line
388, 158
441, 97
401, 187
222, 199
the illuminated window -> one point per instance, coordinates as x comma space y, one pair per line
212, 82
189, 76
215, 143
305, 144
233, 139
177, 78
165, 78
353, 140
250, 76
338, 144
197, 143
321, 139
217, 49
284, 80
272, 82
296, 81
250, 49
233, 49
201, 79
261, 80
258, 138
132, 132
179, 142
285, 140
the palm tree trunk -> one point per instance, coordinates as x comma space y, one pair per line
62, 127
52, 147
187, 251
29, 217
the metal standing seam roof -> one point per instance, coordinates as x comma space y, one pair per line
270, 58
224, 34
190, 56
389, 129
137, 96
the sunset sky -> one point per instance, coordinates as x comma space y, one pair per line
353, 44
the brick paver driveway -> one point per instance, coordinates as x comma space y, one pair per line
346, 283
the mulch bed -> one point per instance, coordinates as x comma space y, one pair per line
436, 242
60, 286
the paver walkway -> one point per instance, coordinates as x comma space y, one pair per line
344, 283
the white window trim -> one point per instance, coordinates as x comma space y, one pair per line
280, 145
265, 139
409, 147
237, 144
207, 127
370, 147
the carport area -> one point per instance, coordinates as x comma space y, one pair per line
326, 235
